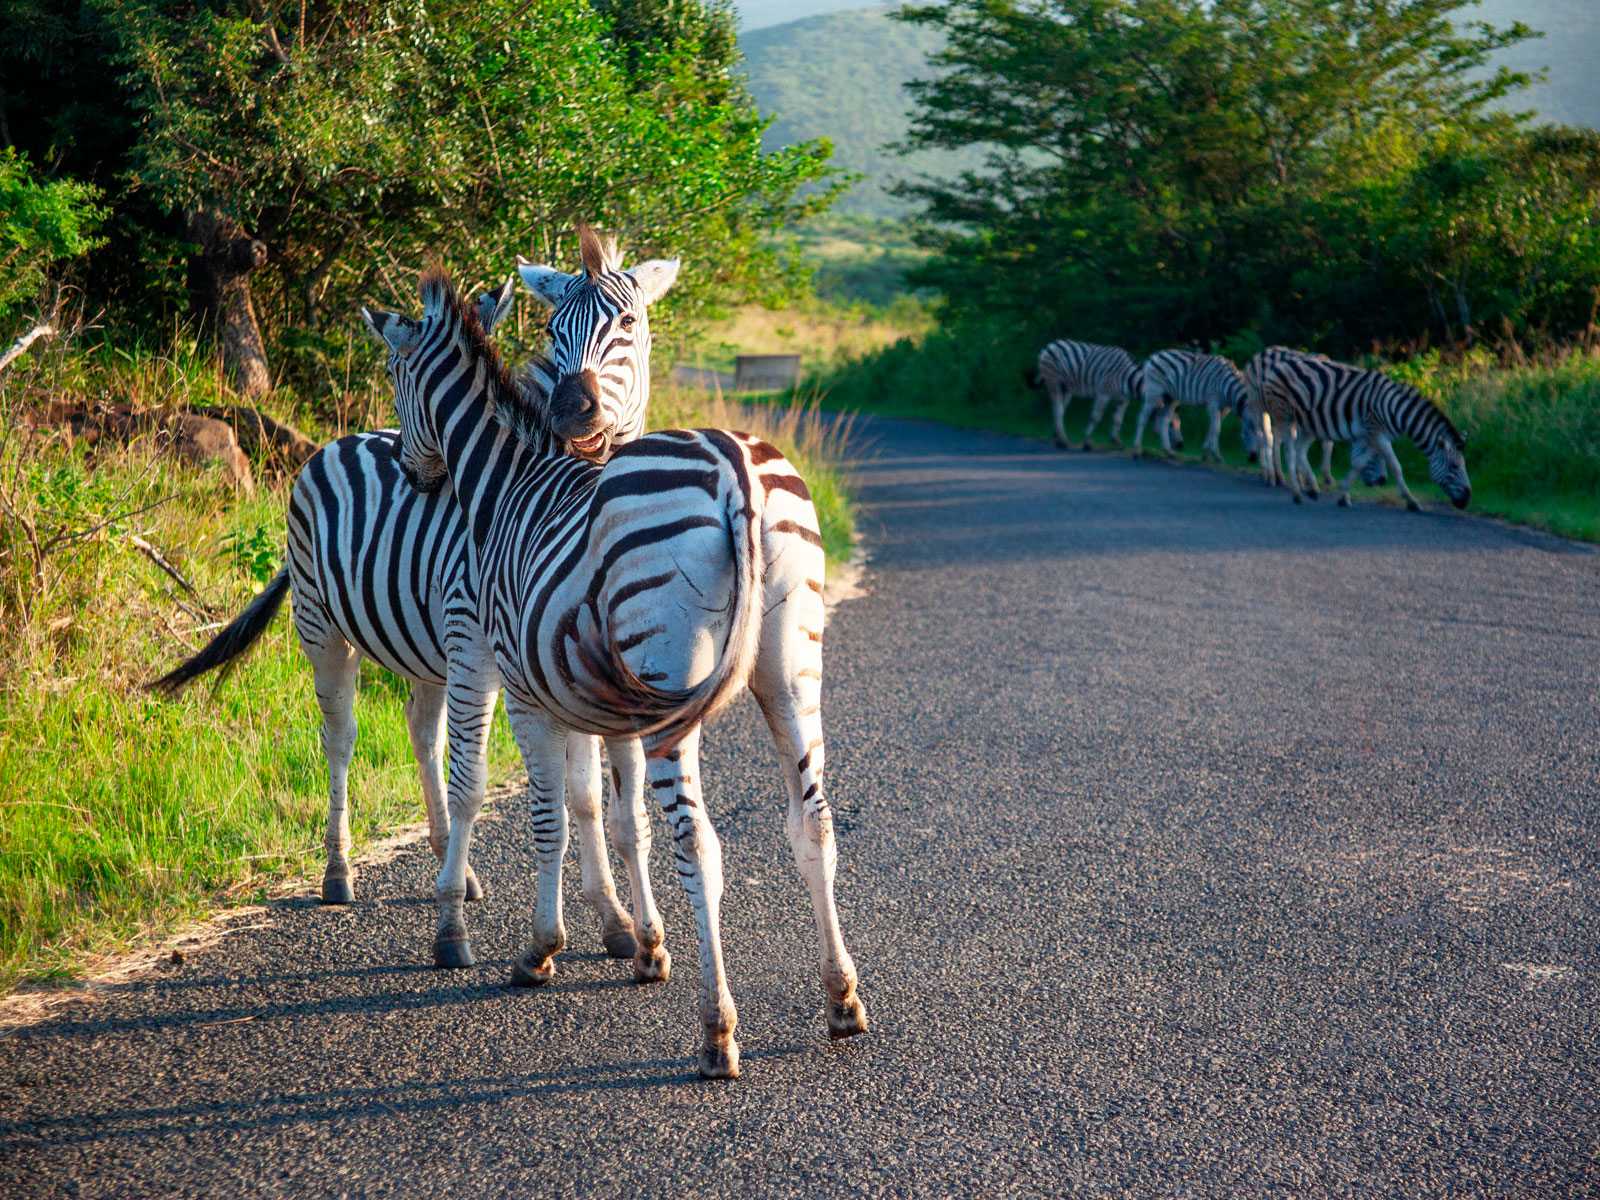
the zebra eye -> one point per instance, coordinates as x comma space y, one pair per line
627, 322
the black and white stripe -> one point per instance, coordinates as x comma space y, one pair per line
1174, 377
1312, 397
1107, 373
631, 601
1295, 455
381, 570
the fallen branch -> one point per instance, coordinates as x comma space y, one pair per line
20, 346
160, 560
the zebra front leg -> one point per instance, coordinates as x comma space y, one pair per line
470, 699
1116, 421
1147, 408
583, 801
1097, 411
333, 668
544, 753
1327, 462
1290, 467
425, 721
1303, 464
675, 779
1212, 447
1399, 476
630, 830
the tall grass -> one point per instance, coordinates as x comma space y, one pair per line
121, 814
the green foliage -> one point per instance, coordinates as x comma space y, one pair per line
360, 142
1171, 171
41, 224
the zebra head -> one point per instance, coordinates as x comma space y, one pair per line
1448, 464
599, 353
415, 356
420, 459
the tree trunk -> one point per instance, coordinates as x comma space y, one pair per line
221, 279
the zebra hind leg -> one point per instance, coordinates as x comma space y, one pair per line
675, 779
630, 831
599, 889
334, 665
1101, 402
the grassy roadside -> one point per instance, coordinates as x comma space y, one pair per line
1533, 432
124, 814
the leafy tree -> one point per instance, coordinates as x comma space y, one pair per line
331, 150
41, 224
1174, 170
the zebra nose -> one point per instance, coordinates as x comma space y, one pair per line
575, 403
1463, 499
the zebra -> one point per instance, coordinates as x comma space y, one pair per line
1066, 369
633, 601
1174, 377
1316, 397
1258, 429
382, 571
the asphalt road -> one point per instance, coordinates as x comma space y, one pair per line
1192, 844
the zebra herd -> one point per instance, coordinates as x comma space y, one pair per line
522, 532
1285, 399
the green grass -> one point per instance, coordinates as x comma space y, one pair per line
125, 814
1533, 448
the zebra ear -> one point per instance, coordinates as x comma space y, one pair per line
493, 306
655, 277
547, 283
397, 332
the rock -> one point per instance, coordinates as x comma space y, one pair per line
259, 434
204, 440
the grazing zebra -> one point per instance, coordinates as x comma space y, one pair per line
1174, 377
1268, 445
1316, 397
633, 601
1067, 369
382, 571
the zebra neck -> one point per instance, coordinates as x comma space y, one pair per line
483, 454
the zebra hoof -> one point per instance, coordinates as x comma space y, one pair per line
530, 971
1314, 494
652, 966
453, 954
1413, 506
1297, 499
846, 1019
474, 888
1344, 501
719, 1060
1251, 457
1086, 446
337, 891
1060, 444
620, 943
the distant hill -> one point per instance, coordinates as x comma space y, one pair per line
841, 75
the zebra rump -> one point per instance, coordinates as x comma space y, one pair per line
231, 642
672, 713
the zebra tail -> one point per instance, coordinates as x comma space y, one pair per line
1032, 378
671, 714
230, 643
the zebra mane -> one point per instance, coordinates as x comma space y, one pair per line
599, 252
1436, 419
520, 402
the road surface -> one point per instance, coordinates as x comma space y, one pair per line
1192, 844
